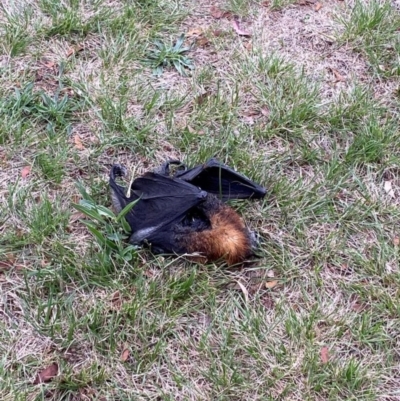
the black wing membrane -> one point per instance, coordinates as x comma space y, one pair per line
163, 203
222, 181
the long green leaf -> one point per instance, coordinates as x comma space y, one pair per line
105, 211
126, 209
83, 191
102, 240
92, 213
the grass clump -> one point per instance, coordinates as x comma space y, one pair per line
163, 55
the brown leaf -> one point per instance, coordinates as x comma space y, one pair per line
338, 76
78, 142
194, 32
271, 284
218, 32
317, 7
47, 374
238, 30
73, 50
324, 355
49, 64
396, 241
216, 12
116, 300
125, 355
202, 41
203, 97
26, 171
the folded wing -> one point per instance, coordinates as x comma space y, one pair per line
219, 179
163, 203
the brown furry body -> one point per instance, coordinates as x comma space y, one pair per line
226, 238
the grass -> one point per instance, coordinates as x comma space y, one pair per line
316, 316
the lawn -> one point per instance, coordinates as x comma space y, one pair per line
302, 96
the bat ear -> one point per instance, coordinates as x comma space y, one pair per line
165, 170
117, 170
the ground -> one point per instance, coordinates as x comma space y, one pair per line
303, 97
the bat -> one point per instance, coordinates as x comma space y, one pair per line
173, 215
218, 179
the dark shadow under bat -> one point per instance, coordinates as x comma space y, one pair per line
186, 213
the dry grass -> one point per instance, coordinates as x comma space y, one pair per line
308, 106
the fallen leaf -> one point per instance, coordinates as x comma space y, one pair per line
47, 374
116, 299
125, 355
49, 64
218, 32
194, 32
324, 355
238, 30
244, 290
388, 188
26, 171
396, 241
73, 50
78, 142
203, 97
338, 76
202, 41
271, 284
317, 7
216, 12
